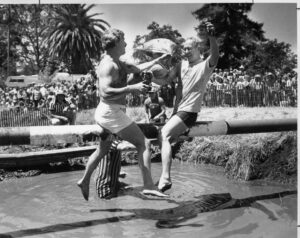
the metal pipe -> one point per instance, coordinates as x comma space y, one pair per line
51, 135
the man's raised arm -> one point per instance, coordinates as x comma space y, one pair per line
214, 48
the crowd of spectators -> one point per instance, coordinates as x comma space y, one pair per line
82, 93
237, 88
232, 87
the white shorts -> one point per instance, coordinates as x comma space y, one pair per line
112, 117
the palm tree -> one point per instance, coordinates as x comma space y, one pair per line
75, 38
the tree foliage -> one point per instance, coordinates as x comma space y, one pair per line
237, 34
10, 38
75, 37
271, 56
242, 40
25, 27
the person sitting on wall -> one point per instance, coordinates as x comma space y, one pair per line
62, 111
155, 108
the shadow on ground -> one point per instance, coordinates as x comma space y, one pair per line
165, 218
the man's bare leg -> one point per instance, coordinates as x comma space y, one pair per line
94, 159
144, 156
174, 127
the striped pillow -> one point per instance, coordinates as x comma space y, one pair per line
108, 172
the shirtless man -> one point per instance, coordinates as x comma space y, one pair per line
110, 113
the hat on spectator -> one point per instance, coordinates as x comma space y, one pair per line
257, 76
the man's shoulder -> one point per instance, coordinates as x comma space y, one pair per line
105, 65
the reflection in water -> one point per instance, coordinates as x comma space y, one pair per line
166, 218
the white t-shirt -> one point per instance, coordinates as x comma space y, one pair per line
194, 80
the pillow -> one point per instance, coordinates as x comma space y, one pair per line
107, 182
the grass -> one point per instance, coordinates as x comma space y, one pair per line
138, 115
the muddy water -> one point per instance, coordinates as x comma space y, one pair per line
51, 206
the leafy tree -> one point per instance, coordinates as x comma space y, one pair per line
32, 19
271, 56
25, 29
76, 37
10, 38
236, 32
157, 31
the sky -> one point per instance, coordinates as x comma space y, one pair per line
280, 19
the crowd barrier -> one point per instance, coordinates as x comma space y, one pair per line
248, 97
21, 118
233, 97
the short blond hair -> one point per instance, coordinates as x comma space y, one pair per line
195, 41
110, 37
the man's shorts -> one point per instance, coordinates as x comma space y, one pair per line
112, 117
189, 118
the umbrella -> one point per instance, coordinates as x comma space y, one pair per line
159, 45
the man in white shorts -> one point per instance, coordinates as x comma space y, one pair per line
110, 113
193, 75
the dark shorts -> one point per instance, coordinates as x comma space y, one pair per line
189, 118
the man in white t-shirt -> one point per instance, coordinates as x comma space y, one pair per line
193, 74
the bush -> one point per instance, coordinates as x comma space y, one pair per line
271, 156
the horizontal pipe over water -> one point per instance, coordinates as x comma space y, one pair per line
52, 135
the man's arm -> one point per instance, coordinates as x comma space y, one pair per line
214, 52
214, 48
54, 115
131, 67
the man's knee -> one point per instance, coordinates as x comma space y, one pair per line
143, 144
165, 135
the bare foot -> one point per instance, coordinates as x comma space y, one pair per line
154, 192
84, 187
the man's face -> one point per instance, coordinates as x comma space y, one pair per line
191, 52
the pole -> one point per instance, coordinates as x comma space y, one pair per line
51, 135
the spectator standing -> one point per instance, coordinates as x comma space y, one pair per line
155, 108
